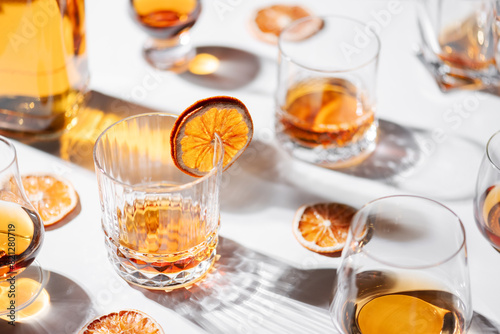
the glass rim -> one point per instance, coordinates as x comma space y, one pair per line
488, 151
175, 188
437, 263
309, 68
9, 144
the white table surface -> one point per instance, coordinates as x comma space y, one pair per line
265, 281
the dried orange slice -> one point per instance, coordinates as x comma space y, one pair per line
52, 196
268, 22
127, 321
193, 135
323, 227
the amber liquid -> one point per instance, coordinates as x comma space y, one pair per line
174, 232
327, 111
468, 45
20, 238
165, 19
391, 306
43, 65
487, 215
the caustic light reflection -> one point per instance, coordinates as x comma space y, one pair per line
204, 64
21, 292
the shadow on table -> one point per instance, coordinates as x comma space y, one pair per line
482, 325
100, 111
409, 159
220, 67
248, 291
69, 309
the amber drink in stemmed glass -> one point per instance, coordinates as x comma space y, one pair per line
167, 22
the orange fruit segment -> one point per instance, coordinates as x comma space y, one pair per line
268, 22
52, 196
193, 136
127, 321
323, 227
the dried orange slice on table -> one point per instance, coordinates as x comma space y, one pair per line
127, 321
323, 227
52, 196
193, 135
268, 22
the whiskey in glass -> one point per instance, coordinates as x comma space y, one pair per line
160, 224
325, 101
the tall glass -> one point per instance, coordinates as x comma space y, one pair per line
167, 22
43, 66
487, 198
325, 101
459, 41
160, 225
404, 270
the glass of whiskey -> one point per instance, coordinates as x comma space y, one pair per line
487, 198
167, 22
403, 270
459, 41
160, 224
325, 100
21, 237
43, 67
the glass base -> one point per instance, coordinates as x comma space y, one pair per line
133, 270
170, 54
331, 157
24, 296
448, 78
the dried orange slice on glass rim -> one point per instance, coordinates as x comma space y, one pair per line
323, 227
126, 321
193, 135
53, 197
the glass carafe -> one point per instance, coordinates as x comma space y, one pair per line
43, 66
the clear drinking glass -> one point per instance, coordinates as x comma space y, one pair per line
487, 199
160, 224
459, 42
325, 101
21, 236
168, 23
404, 270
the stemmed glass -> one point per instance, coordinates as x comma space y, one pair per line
487, 199
404, 270
21, 235
167, 22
